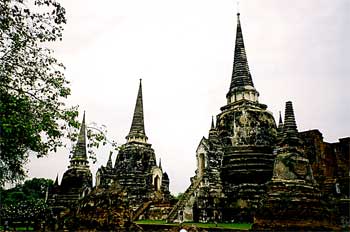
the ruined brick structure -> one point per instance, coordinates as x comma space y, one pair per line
136, 170
247, 168
76, 181
235, 164
236, 160
103, 209
293, 200
329, 161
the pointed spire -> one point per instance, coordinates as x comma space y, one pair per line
212, 131
290, 131
137, 130
79, 157
241, 75
241, 86
56, 181
280, 125
82, 134
212, 123
160, 163
80, 148
109, 162
165, 176
280, 122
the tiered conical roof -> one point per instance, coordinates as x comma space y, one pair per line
109, 162
240, 75
212, 132
280, 122
79, 152
290, 130
280, 125
212, 127
241, 86
137, 130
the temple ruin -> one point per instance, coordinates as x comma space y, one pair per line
76, 181
248, 169
137, 171
241, 165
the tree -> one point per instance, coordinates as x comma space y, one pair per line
33, 88
26, 202
33, 115
31, 190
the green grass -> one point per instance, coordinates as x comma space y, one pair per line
17, 228
154, 222
239, 226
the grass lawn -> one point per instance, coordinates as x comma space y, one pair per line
17, 228
239, 226
154, 222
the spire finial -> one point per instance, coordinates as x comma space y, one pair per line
137, 130
160, 163
238, 8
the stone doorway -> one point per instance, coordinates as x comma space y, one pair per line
201, 164
156, 183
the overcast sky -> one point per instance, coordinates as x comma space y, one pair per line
183, 51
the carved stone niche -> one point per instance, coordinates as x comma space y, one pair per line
157, 177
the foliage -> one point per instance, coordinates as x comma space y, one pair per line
26, 202
31, 190
17, 228
27, 210
32, 84
179, 196
96, 136
33, 88
175, 198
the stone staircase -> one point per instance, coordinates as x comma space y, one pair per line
172, 216
140, 210
329, 185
